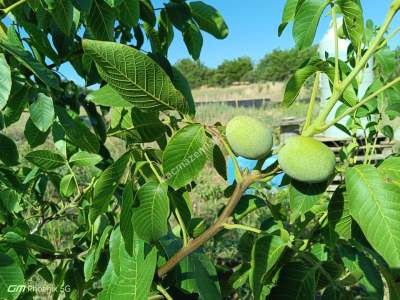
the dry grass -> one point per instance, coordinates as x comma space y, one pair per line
267, 90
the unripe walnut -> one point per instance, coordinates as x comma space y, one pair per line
248, 137
306, 159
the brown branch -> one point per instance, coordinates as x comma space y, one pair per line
193, 245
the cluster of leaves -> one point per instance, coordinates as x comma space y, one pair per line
135, 236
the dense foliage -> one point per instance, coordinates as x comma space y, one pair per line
135, 235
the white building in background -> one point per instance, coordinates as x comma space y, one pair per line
366, 77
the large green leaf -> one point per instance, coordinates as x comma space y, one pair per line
62, 12
33, 135
151, 211
135, 76
183, 86
105, 186
45, 159
10, 275
67, 185
353, 20
77, 132
8, 151
265, 254
306, 22
101, 21
375, 205
128, 277
296, 282
126, 224
5, 81
27, 60
209, 19
42, 112
185, 155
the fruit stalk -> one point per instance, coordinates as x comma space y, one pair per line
193, 245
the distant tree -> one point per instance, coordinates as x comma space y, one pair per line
279, 64
196, 72
231, 71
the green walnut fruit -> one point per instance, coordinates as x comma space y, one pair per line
248, 137
306, 159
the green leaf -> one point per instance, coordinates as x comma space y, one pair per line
147, 124
107, 96
45, 159
42, 112
147, 12
93, 257
178, 13
296, 282
67, 185
183, 86
27, 60
129, 12
339, 216
126, 224
303, 196
135, 76
374, 205
289, 12
265, 254
386, 58
128, 277
297, 81
101, 21
5, 81
193, 39
62, 12
390, 170
33, 135
306, 22
151, 211
8, 151
11, 200
114, 3
362, 267
105, 186
185, 155
10, 275
40, 244
353, 20
209, 19
78, 133
246, 205
85, 159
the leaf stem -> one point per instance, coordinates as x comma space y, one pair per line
361, 103
179, 218
153, 168
224, 217
335, 30
8, 9
318, 124
242, 227
164, 292
311, 105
